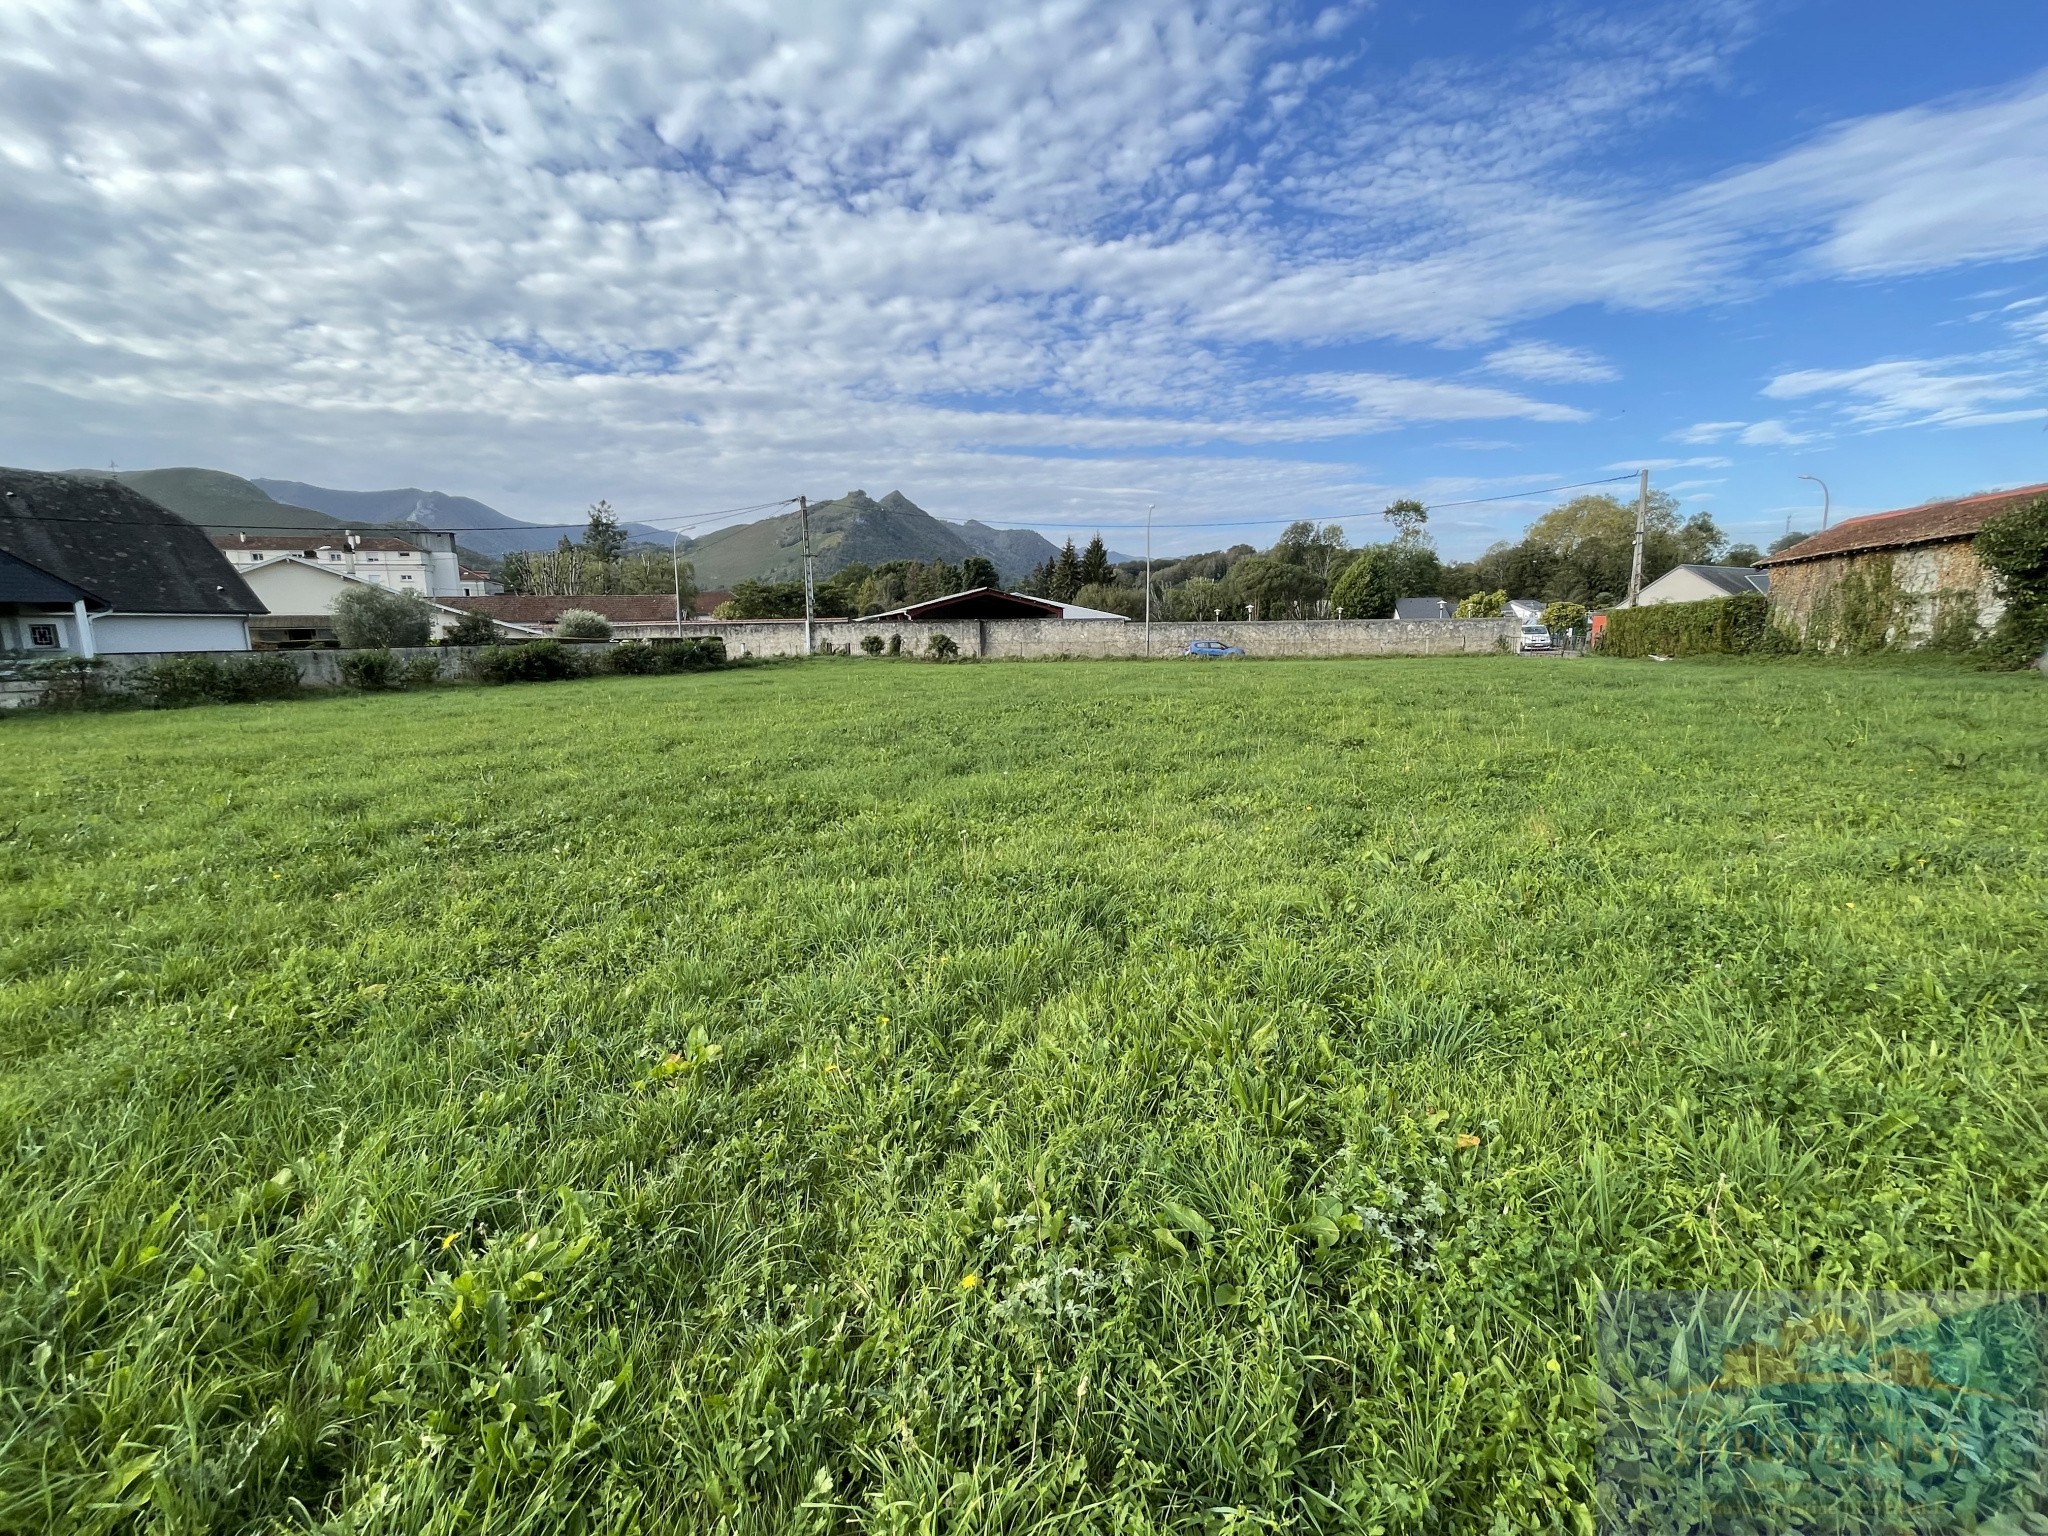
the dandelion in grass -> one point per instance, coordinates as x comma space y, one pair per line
969, 1282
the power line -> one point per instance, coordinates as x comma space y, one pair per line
1266, 522
686, 519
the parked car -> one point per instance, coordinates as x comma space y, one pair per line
1536, 637
1211, 650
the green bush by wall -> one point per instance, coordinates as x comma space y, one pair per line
1721, 626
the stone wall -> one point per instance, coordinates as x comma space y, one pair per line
1052, 639
1906, 593
996, 640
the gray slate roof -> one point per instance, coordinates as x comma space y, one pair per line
112, 542
21, 582
1423, 608
1732, 579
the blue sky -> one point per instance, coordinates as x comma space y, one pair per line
1037, 262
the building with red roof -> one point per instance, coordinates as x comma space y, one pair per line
1898, 576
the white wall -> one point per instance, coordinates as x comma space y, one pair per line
291, 586
14, 635
119, 634
1678, 585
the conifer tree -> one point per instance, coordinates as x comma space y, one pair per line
1066, 575
1095, 564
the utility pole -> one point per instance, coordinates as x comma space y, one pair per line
676, 557
1635, 568
803, 508
1148, 579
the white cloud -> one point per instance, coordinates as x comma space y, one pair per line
1908, 191
1707, 431
1709, 461
1545, 362
1951, 391
1020, 250
1772, 434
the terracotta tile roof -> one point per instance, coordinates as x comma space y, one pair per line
1939, 522
312, 538
522, 608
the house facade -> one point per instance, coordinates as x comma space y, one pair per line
424, 563
94, 568
1898, 578
1701, 583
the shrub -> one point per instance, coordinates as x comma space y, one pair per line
72, 682
942, 647
872, 644
582, 624
1564, 616
636, 658
895, 645
1721, 626
532, 661
2014, 548
372, 619
1483, 605
173, 682
472, 628
422, 672
368, 670
694, 653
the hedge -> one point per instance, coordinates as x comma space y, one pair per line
1720, 626
546, 661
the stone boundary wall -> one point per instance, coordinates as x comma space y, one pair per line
1056, 639
992, 640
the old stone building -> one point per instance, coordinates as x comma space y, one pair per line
1904, 578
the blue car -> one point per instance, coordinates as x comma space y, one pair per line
1211, 650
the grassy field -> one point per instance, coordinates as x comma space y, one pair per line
894, 1097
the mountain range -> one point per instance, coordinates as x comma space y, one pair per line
855, 528
477, 526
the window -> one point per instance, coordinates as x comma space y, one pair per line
334, 554
43, 636
405, 576
372, 558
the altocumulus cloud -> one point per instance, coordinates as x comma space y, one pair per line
1032, 253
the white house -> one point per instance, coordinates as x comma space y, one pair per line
425, 563
94, 567
299, 593
1697, 583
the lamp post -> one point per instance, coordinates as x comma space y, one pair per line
1827, 503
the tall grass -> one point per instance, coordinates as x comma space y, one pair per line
1126, 1098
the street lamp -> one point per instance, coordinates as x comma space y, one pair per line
1826, 503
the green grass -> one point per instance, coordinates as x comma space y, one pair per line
585, 1106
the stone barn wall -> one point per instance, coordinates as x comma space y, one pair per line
1903, 597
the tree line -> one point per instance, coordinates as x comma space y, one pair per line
1576, 553
599, 563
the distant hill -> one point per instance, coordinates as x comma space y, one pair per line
479, 527
857, 529
217, 501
